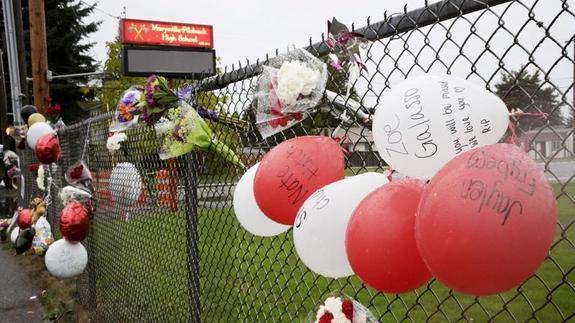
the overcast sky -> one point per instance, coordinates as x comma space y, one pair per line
247, 28
251, 28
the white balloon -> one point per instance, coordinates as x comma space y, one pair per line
425, 121
248, 212
36, 131
125, 183
14, 234
319, 228
65, 259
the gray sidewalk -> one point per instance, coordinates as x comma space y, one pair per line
15, 292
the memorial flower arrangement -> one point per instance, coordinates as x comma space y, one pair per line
341, 309
180, 122
41, 178
114, 142
182, 130
53, 112
127, 110
289, 87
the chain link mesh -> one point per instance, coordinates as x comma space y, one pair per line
179, 254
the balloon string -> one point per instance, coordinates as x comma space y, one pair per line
389, 172
512, 139
515, 113
86, 140
520, 113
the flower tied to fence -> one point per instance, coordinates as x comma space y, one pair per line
288, 88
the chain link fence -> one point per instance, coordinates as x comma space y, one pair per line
179, 254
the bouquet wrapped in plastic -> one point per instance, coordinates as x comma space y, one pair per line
341, 309
289, 87
182, 130
78, 175
127, 110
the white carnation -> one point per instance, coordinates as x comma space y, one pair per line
320, 313
295, 79
340, 319
333, 304
40, 178
115, 140
164, 127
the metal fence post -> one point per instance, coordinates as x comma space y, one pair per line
190, 188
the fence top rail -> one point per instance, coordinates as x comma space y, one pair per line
392, 25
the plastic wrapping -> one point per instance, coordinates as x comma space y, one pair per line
288, 88
71, 193
127, 110
78, 174
182, 130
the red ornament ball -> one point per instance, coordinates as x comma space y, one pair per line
487, 220
292, 171
380, 238
74, 222
48, 149
24, 219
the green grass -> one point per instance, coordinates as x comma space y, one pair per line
142, 271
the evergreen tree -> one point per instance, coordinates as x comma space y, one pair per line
68, 53
526, 91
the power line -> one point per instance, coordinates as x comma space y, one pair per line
102, 11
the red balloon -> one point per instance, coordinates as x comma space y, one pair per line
48, 149
24, 219
487, 220
74, 222
380, 238
292, 171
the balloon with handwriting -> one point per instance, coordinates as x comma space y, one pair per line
425, 121
125, 183
247, 211
380, 238
36, 131
290, 172
65, 259
319, 228
486, 221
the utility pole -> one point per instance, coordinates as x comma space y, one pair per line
3, 104
21, 50
12, 52
39, 54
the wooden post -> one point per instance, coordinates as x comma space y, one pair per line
39, 54
21, 50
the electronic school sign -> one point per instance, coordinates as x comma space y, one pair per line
167, 48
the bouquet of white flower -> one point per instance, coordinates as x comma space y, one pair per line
288, 88
341, 309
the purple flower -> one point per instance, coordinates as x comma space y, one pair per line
150, 118
176, 134
150, 89
207, 114
130, 98
185, 93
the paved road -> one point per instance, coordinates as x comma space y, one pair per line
15, 292
560, 170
